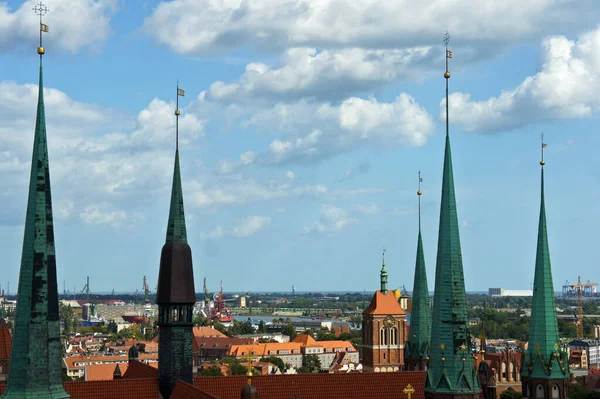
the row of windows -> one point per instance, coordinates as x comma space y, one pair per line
388, 336
539, 391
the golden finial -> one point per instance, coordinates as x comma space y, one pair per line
249, 373
442, 346
41, 10
448, 54
420, 181
542, 162
180, 92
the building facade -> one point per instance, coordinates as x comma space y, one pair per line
383, 331
591, 347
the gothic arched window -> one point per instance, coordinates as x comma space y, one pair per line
539, 391
555, 392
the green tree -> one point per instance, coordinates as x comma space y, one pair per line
510, 394
112, 327
325, 335
237, 368
275, 360
310, 364
201, 321
262, 327
289, 330
213, 371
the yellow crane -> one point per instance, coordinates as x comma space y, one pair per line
580, 287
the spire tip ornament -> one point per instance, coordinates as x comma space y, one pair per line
41, 10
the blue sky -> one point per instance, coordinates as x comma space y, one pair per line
303, 127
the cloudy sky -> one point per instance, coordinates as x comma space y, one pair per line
304, 125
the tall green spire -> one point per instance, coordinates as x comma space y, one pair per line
544, 358
383, 276
417, 347
176, 231
36, 356
451, 368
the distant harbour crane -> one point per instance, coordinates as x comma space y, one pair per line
579, 288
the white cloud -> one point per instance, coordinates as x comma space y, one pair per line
245, 228
236, 190
73, 24
354, 123
195, 27
89, 163
101, 214
566, 87
332, 220
370, 209
326, 74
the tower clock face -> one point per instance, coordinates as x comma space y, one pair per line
389, 321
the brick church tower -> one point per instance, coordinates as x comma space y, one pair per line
383, 331
175, 295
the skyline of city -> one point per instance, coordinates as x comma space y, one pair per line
310, 199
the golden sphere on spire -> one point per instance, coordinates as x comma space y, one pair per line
447, 75
41, 50
177, 112
419, 192
542, 163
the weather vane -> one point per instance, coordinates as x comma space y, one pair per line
41, 10
383, 256
542, 162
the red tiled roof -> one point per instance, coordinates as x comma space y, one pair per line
384, 304
5, 342
183, 390
208, 332
305, 340
317, 386
138, 369
122, 389
100, 372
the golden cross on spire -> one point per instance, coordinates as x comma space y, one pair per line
41, 10
409, 390
249, 373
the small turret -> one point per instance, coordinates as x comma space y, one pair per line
384, 276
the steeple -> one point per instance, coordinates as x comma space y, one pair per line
451, 371
175, 295
383, 276
37, 326
417, 348
545, 363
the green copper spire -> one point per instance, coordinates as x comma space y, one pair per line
383, 276
417, 348
36, 356
176, 231
451, 368
544, 358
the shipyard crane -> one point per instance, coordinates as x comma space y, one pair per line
86, 289
579, 288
